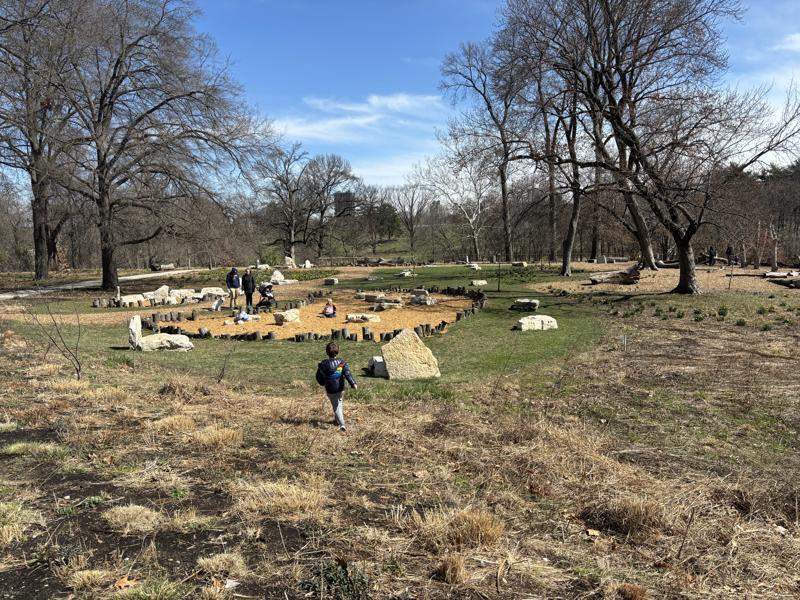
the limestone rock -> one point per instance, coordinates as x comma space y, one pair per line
474, 266
134, 332
131, 300
360, 296
210, 293
363, 318
479, 282
289, 263
526, 304
387, 304
162, 292
164, 341
286, 282
374, 297
519, 263
408, 274
406, 357
377, 367
308, 265
277, 276
536, 323
287, 316
331, 281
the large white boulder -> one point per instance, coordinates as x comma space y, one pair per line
474, 266
162, 292
526, 304
277, 276
164, 341
211, 293
134, 332
536, 323
406, 357
479, 282
289, 263
308, 265
287, 316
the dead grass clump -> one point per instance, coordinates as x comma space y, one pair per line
451, 570
42, 450
440, 528
184, 389
132, 519
226, 564
175, 424
109, 395
88, 578
626, 591
216, 437
191, 520
7, 426
15, 520
625, 515
304, 499
43, 370
68, 386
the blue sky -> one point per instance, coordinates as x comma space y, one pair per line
360, 77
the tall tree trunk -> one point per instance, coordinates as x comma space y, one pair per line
41, 231
551, 215
475, 245
109, 265
507, 245
642, 233
572, 228
598, 180
687, 284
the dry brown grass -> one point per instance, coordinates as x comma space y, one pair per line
294, 500
441, 528
217, 437
108, 394
15, 520
67, 386
625, 515
39, 450
191, 520
226, 564
627, 591
89, 578
133, 519
175, 424
451, 569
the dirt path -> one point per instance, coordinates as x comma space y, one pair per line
90, 283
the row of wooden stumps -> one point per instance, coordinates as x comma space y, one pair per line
156, 320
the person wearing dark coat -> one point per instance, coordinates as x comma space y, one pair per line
248, 287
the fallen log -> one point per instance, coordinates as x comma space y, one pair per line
789, 283
628, 276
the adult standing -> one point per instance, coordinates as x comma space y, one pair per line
729, 254
234, 284
248, 287
712, 255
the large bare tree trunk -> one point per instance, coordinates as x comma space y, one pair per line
572, 228
507, 247
551, 213
107, 248
642, 234
41, 231
687, 283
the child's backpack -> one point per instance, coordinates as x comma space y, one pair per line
330, 373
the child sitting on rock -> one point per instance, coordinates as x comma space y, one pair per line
332, 373
329, 310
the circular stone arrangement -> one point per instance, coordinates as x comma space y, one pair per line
446, 306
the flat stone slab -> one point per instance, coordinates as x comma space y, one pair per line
164, 341
377, 367
407, 274
479, 282
519, 263
132, 300
374, 297
536, 323
331, 281
527, 304
211, 293
363, 318
286, 282
407, 357
474, 266
287, 316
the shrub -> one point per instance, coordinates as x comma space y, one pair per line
762, 310
722, 311
741, 322
699, 317
680, 314
766, 327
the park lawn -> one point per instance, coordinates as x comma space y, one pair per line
643, 449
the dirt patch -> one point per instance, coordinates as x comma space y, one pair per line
312, 321
715, 279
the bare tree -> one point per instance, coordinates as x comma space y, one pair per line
410, 201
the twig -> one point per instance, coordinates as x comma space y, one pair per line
686, 532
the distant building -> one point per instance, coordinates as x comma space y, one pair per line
344, 204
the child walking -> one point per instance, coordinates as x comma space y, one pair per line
332, 373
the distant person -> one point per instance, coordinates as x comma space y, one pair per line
248, 287
332, 373
729, 254
234, 284
329, 310
712, 255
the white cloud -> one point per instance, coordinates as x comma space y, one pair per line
376, 104
790, 42
340, 130
391, 169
